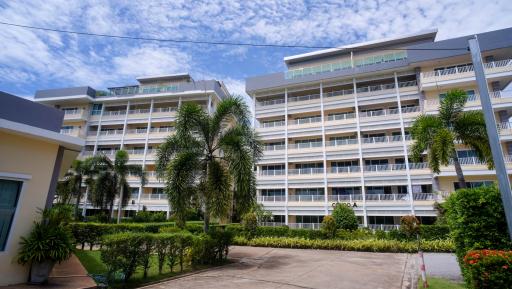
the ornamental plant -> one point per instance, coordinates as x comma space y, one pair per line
250, 223
345, 217
329, 227
489, 269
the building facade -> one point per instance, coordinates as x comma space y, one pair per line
136, 118
336, 126
33, 155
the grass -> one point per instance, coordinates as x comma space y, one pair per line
91, 260
440, 283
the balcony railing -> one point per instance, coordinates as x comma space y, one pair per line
418, 166
339, 93
305, 145
272, 224
386, 197
137, 131
114, 112
272, 172
154, 197
384, 139
272, 124
271, 199
341, 116
107, 152
135, 151
348, 170
161, 129
110, 132
274, 148
304, 97
342, 142
469, 161
387, 167
306, 171
345, 198
164, 109
383, 227
138, 111
425, 197
69, 112
67, 130
271, 102
306, 198
306, 120
466, 68
314, 226
393, 111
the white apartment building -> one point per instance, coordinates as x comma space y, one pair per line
136, 118
336, 126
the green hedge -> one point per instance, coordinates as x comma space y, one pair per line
128, 252
370, 245
427, 232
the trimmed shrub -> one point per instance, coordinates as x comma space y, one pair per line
370, 245
487, 269
211, 248
329, 227
123, 252
409, 226
279, 231
477, 221
434, 232
345, 217
306, 234
149, 216
250, 223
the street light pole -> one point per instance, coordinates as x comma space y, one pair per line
492, 132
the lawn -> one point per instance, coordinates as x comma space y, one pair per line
91, 260
440, 283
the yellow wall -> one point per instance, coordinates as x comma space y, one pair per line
21, 155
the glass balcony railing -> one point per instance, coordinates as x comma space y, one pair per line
272, 124
306, 120
340, 92
341, 116
304, 97
162, 129
272, 199
347, 170
164, 109
137, 131
305, 145
342, 142
384, 139
385, 167
311, 226
274, 148
306, 198
346, 64
306, 171
387, 197
132, 90
272, 172
270, 102
345, 198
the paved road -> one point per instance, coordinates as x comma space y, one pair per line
266, 268
442, 265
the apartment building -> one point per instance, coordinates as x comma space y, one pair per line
336, 125
136, 118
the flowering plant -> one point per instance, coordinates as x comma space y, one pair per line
489, 268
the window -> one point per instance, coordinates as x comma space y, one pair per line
474, 184
309, 191
96, 108
346, 191
272, 192
466, 154
9, 195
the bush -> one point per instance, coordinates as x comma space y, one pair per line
488, 269
345, 217
279, 231
211, 248
477, 221
434, 232
123, 252
370, 245
149, 216
409, 226
306, 234
329, 227
250, 223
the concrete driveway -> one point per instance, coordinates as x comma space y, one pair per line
264, 268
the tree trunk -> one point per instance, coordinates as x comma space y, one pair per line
119, 206
458, 170
206, 225
78, 197
111, 211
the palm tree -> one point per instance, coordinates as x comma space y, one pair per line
211, 159
110, 180
439, 134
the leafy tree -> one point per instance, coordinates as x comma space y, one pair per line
439, 134
110, 180
210, 160
250, 223
329, 227
345, 217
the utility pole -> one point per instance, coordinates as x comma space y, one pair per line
492, 132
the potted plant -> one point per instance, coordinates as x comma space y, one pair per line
49, 242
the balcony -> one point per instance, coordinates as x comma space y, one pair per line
74, 114
383, 227
345, 170
70, 131
387, 113
272, 224
154, 197
137, 131
384, 139
271, 102
384, 168
342, 142
138, 113
342, 93
345, 198
164, 111
387, 197
463, 73
313, 226
272, 173
505, 129
305, 146
157, 132
426, 197
311, 121
305, 171
113, 114
271, 199
473, 102
273, 148
308, 97
306, 198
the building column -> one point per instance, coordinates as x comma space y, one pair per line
148, 131
99, 129
404, 145
121, 146
286, 154
360, 149
322, 114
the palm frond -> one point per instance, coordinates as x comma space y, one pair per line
470, 129
230, 110
443, 147
218, 189
452, 105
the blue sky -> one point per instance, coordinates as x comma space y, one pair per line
31, 60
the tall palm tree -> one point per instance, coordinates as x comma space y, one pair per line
110, 180
211, 159
439, 134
